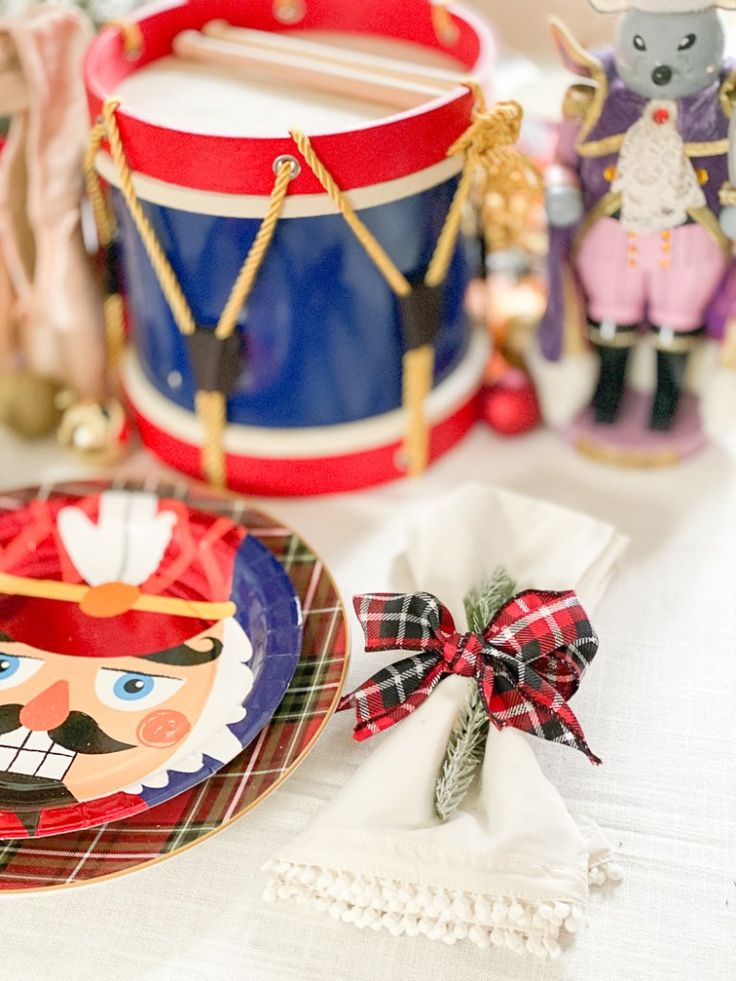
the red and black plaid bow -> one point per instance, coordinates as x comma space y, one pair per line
527, 663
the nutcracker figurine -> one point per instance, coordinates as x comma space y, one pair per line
642, 215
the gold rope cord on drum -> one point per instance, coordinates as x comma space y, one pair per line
210, 406
132, 36
251, 267
172, 290
113, 309
211, 409
488, 142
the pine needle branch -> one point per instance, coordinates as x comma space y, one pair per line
467, 742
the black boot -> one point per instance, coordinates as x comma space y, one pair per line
671, 367
673, 349
613, 342
611, 384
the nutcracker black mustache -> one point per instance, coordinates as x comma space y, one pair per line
78, 733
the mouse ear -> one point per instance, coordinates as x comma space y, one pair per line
574, 56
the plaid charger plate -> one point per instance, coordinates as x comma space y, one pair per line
200, 812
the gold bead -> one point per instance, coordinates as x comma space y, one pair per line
29, 404
610, 173
702, 175
96, 431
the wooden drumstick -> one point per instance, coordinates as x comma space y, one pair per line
331, 54
343, 80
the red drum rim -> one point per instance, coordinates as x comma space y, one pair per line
379, 151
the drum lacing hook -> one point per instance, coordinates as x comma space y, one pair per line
296, 167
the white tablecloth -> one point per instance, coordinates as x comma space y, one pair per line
658, 705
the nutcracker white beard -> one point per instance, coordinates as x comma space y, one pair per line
654, 175
211, 735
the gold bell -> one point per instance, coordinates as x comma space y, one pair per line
97, 431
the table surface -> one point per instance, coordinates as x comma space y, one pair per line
657, 704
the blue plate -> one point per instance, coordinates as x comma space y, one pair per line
100, 716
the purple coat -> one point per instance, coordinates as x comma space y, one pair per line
701, 119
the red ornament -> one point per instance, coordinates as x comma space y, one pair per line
510, 407
661, 116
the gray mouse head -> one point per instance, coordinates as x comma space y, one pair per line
669, 55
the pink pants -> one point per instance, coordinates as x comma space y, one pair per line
664, 278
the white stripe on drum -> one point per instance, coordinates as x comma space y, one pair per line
318, 442
297, 205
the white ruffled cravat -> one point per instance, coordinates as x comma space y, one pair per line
511, 867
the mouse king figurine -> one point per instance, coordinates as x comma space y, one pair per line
641, 211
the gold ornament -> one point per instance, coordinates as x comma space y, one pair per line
578, 101
96, 431
29, 404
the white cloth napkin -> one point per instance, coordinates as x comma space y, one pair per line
511, 867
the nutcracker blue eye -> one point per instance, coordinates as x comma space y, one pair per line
133, 686
132, 691
14, 669
639, 43
8, 666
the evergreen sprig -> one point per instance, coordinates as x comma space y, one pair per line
467, 742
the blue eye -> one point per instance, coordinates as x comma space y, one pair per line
130, 687
8, 666
16, 669
131, 691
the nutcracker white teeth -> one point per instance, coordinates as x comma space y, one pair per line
34, 754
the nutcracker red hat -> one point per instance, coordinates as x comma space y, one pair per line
114, 574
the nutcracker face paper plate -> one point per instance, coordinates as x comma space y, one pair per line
143, 645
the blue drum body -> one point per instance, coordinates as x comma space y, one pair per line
322, 336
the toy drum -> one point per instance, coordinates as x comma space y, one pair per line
289, 255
